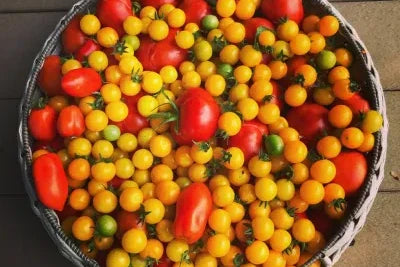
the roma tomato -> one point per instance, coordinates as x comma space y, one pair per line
251, 26
310, 120
277, 9
198, 114
351, 170
356, 103
155, 55
192, 211
50, 181
50, 76
81, 82
70, 122
195, 10
112, 13
249, 138
42, 123
86, 49
73, 38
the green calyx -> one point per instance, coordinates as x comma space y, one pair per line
136, 6
185, 257
354, 86
339, 204
142, 213
168, 116
135, 76
267, 98
291, 211
249, 234
98, 102
120, 48
286, 172
263, 156
218, 43
42, 102
299, 79
256, 43
203, 146
238, 260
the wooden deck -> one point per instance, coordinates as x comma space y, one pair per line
25, 24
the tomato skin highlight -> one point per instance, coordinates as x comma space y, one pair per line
42, 123
277, 9
154, 55
50, 181
193, 208
73, 38
310, 120
249, 138
50, 76
351, 170
70, 122
86, 49
252, 24
112, 13
195, 10
81, 82
198, 117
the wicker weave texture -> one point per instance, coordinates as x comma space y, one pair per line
350, 226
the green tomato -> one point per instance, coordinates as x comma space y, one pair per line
106, 226
225, 70
132, 40
326, 60
210, 22
273, 145
111, 133
138, 261
203, 50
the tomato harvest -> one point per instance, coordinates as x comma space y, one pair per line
194, 133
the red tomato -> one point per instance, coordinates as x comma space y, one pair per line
157, 3
192, 211
249, 138
277, 95
54, 145
198, 117
266, 58
112, 13
155, 55
73, 38
86, 49
50, 181
357, 104
310, 120
81, 82
164, 262
134, 122
277, 9
195, 10
116, 182
252, 24
321, 221
126, 221
294, 63
70, 122
351, 170
111, 57
50, 76
42, 123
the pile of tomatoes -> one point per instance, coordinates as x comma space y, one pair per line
171, 135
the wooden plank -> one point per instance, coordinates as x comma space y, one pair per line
22, 36
377, 244
23, 240
377, 24
12, 183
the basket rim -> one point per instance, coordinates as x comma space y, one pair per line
50, 220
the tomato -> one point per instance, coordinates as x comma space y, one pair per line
317, 243
322, 223
310, 23
323, 171
249, 56
134, 122
329, 147
157, 3
340, 116
50, 181
318, 42
273, 144
134, 241
79, 199
72, 37
326, 60
312, 192
201, 152
351, 170
112, 13
303, 230
86, 49
49, 79
253, 24
277, 9
368, 144
249, 138
343, 57
328, 25
192, 211
70, 122
81, 82
265, 189
176, 250
218, 245
372, 122
280, 240
352, 137
310, 120
357, 104
106, 226
126, 221
83, 228
195, 10
155, 55
275, 259
118, 258
42, 122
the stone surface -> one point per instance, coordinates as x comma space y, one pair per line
377, 23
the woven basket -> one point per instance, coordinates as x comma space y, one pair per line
362, 71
